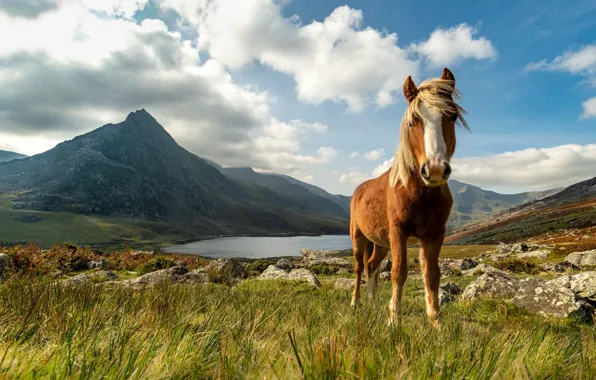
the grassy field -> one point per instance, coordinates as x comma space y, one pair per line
274, 330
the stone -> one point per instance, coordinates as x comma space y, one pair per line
321, 257
171, 275
284, 264
102, 263
228, 268
447, 270
448, 292
583, 284
346, 284
385, 276
536, 296
499, 257
385, 266
302, 275
557, 267
533, 255
5, 266
135, 253
93, 277
467, 263
344, 271
582, 258
194, 277
481, 269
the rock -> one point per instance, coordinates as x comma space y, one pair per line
467, 264
346, 284
481, 269
410, 273
582, 258
136, 254
94, 277
320, 257
385, 266
5, 266
546, 298
194, 277
344, 271
385, 276
172, 275
557, 267
273, 273
448, 292
447, 271
303, 275
533, 255
102, 263
228, 268
284, 264
583, 284
499, 257
311, 255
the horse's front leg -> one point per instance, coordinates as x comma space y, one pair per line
430, 248
399, 271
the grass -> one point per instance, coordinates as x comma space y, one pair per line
274, 329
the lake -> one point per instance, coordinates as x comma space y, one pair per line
261, 247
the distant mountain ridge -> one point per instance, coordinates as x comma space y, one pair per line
9, 156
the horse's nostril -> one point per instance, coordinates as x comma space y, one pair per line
424, 171
447, 171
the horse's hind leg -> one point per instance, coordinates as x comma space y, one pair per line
399, 271
379, 254
359, 243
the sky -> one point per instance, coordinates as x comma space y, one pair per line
310, 88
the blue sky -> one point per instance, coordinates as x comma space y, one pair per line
258, 84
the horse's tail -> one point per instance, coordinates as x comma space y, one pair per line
368, 248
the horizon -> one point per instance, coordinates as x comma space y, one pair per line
310, 90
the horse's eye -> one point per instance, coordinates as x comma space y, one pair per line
454, 117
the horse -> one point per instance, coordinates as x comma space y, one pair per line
412, 198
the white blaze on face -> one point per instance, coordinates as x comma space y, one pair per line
434, 143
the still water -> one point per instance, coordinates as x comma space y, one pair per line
261, 247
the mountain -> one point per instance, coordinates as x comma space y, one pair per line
471, 203
570, 208
136, 171
9, 156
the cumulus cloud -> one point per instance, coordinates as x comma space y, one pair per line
589, 107
582, 61
353, 177
528, 169
337, 59
446, 47
382, 168
354, 154
373, 155
73, 69
27, 8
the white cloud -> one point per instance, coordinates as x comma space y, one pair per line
70, 69
337, 59
374, 154
528, 169
354, 154
589, 107
582, 61
353, 177
382, 168
447, 47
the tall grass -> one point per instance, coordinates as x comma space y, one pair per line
267, 329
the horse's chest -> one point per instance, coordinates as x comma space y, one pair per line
426, 215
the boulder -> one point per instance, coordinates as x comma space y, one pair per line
448, 292
583, 284
447, 270
102, 263
284, 264
171, 275
557, 267
346, 284
302, 275
467, 263
321, 257
499, 257
385, 266
385, 276
481, 269
5, 266
582, 258
533, 295
543, 254
194, 277
94, 277
225, 268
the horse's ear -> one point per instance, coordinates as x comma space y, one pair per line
410, 89
448, 75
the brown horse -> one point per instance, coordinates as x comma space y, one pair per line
412, 199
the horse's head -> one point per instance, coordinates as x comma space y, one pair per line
428, 129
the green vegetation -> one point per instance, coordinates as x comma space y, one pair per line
157, 263
274, 330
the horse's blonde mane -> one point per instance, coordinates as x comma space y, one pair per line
434, 93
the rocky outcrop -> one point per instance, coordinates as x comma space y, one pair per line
284, 264
102, 263
448, 292
225, 268
546, 298
321, 257
5, 266
539, 254
583, 284
301, 275
557, 267
91, 278
481, 269
582, 258
171, 275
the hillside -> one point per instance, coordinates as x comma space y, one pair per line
571, 208
9, 156
135, 170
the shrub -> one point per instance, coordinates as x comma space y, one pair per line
323, 269
516, 266
157, 263
256, 267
